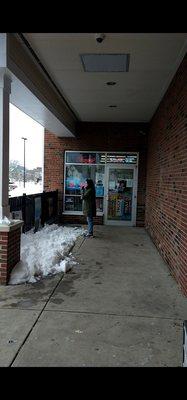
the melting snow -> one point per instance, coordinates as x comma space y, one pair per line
46, 252
5, 221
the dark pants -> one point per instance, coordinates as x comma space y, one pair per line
90, 225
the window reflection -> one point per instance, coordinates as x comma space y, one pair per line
76, 176
75, 179
85, 158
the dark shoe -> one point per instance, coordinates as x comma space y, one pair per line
85, 234
88, 235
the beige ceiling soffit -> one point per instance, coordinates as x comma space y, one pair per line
175, 67
23, 65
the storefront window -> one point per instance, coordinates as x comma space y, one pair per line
76, 176
82, 165
85, 158
73, 203
121, 158
75, 179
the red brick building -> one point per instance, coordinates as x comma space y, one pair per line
162, 169
103, 137
114, 110
166, 187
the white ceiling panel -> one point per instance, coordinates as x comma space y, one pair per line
27, 102
154, 59
132, 111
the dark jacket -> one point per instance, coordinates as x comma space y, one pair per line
89, 203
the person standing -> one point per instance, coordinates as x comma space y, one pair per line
89, 205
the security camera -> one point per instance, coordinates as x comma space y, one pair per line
99, 37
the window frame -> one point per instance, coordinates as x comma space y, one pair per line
99, 213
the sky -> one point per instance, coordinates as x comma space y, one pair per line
21, 125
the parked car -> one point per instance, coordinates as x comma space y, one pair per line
12, 186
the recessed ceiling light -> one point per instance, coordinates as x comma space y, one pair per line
111, 83
113, 106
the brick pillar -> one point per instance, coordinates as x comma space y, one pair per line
10, 236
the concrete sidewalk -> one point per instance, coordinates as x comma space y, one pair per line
118, 307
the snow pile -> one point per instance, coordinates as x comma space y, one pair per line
30, 188
45, 252
5, 221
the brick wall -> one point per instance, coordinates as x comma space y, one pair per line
9, 253
166, 198
80, 219
96, 137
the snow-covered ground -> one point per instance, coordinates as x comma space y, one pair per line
46, 252
30, 188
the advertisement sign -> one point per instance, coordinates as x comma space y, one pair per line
99, 191
75, 183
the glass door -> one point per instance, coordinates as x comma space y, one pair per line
120, 206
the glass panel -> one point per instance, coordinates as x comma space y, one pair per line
101, 158
131, 159
122, 158
76, 176
120, 190
85, 158
99, 204
73, 203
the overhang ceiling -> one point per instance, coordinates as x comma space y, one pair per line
154, 59
27, 102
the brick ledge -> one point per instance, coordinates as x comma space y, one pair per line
15, 224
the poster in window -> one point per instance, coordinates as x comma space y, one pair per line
74, 179
129, 183
99, 180
99, 190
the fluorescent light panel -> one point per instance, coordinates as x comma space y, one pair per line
105, 62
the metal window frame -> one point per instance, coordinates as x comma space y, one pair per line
133, 167
64, 212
